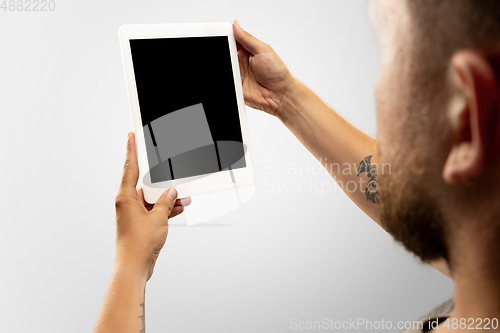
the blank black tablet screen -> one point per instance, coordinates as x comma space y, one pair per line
188, 106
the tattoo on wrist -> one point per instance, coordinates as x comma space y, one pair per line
371, 189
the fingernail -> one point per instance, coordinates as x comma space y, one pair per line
185, 201
172, 194
237, 23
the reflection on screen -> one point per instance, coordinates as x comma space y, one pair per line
188, 106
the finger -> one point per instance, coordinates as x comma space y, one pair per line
165, 203
179, 202
176, 211
243, 60
183, 202
130, 174
246, 40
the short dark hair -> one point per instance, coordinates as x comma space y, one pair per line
441, 27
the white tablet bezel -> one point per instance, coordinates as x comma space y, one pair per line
196, 185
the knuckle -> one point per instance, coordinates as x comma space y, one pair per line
118, 202
126, 165
169, 203
121, 201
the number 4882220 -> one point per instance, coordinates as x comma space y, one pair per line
28, 5
470, 323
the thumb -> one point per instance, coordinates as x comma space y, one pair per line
165, 203
249, 42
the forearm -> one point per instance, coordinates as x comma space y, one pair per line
123, 308
336, 143
332, 139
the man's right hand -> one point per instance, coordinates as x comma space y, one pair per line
264, 76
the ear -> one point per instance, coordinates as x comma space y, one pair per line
477, 124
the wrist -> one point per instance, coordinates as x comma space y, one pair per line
289, 100
131, 263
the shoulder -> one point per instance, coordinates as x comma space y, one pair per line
439, 312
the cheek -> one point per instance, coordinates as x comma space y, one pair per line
385, 110
379, 104
390, 108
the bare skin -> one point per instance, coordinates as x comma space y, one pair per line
269, 86
472, 91
468, 149
141, 232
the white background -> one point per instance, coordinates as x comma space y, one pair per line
287, 253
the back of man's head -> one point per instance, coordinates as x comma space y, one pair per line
438, 119
442, 27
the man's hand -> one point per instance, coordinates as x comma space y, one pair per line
269, 86
142, 228
141, 231
264, 76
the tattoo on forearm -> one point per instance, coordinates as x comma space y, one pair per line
143, 330
371, 189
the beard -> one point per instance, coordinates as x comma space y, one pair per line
409, 210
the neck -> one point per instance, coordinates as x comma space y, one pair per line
475, 257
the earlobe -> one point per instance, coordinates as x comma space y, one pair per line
476, 143
464, 162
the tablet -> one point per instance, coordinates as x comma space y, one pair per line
187, 106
